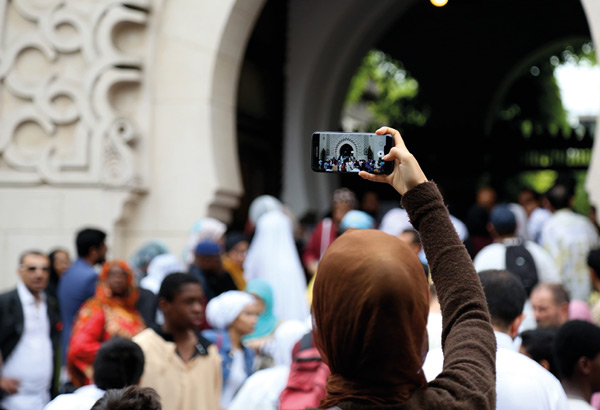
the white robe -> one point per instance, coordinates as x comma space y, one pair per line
273, 256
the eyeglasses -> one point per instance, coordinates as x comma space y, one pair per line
34, 268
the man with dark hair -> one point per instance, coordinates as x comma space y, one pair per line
78, 283
130, 398
537, 344
208, 269
526, 259
521, 383
550, 302
28, 337
568, 237
181, 365
119, 363
577, 353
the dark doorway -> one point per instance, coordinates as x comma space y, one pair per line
346, 150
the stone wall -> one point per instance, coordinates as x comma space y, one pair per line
116, 114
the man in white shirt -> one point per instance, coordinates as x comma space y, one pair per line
526, 259
502, 227
568, 237
28, 337
521, 383
119, 363
577, 353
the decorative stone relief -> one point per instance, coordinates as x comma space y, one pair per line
71, 72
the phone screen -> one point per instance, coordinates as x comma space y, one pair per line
346, 152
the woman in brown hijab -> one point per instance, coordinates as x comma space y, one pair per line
370, 306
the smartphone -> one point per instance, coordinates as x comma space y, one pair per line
345, 152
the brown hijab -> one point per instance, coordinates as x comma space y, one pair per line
370, 306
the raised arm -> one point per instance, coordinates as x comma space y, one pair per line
468, 378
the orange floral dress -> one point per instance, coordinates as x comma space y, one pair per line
99, 319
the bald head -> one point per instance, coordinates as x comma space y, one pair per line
550, 302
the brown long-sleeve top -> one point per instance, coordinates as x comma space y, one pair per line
469, 376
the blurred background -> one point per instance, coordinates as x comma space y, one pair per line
140, 117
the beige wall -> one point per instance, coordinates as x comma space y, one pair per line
117, 118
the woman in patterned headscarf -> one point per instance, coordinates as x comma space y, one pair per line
111, 312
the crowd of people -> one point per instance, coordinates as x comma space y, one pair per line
351, 164
411, 309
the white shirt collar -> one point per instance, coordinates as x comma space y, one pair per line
504, 341
26, 296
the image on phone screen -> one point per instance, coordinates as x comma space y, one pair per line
347, 152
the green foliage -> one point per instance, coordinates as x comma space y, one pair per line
584, 54
534, 103
541, 181
387, 90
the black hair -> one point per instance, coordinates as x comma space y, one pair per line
30, 252
574, 340
416, 238
119, 363
232, 238
129, 398
559, 196
172, 284
593, 261
536, 195
52, 256
88, 238
505, 296
538, 344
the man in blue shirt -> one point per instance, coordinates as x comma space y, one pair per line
78, 283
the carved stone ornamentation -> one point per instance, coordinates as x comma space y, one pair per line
71, 75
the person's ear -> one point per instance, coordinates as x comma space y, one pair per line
584, 365
93, 253
545, 364
514, 326
163, 305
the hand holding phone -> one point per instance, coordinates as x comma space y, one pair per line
347, 152
406, 173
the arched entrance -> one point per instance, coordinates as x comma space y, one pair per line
315, 89
346, 150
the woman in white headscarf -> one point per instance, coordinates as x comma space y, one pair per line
232, 315
206, 229
274, 257
158, 269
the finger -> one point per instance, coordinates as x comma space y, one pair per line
398, 140
387, 130
372, 177
394, 154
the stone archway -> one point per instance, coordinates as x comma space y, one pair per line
320, 65
346, 147
193, 169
